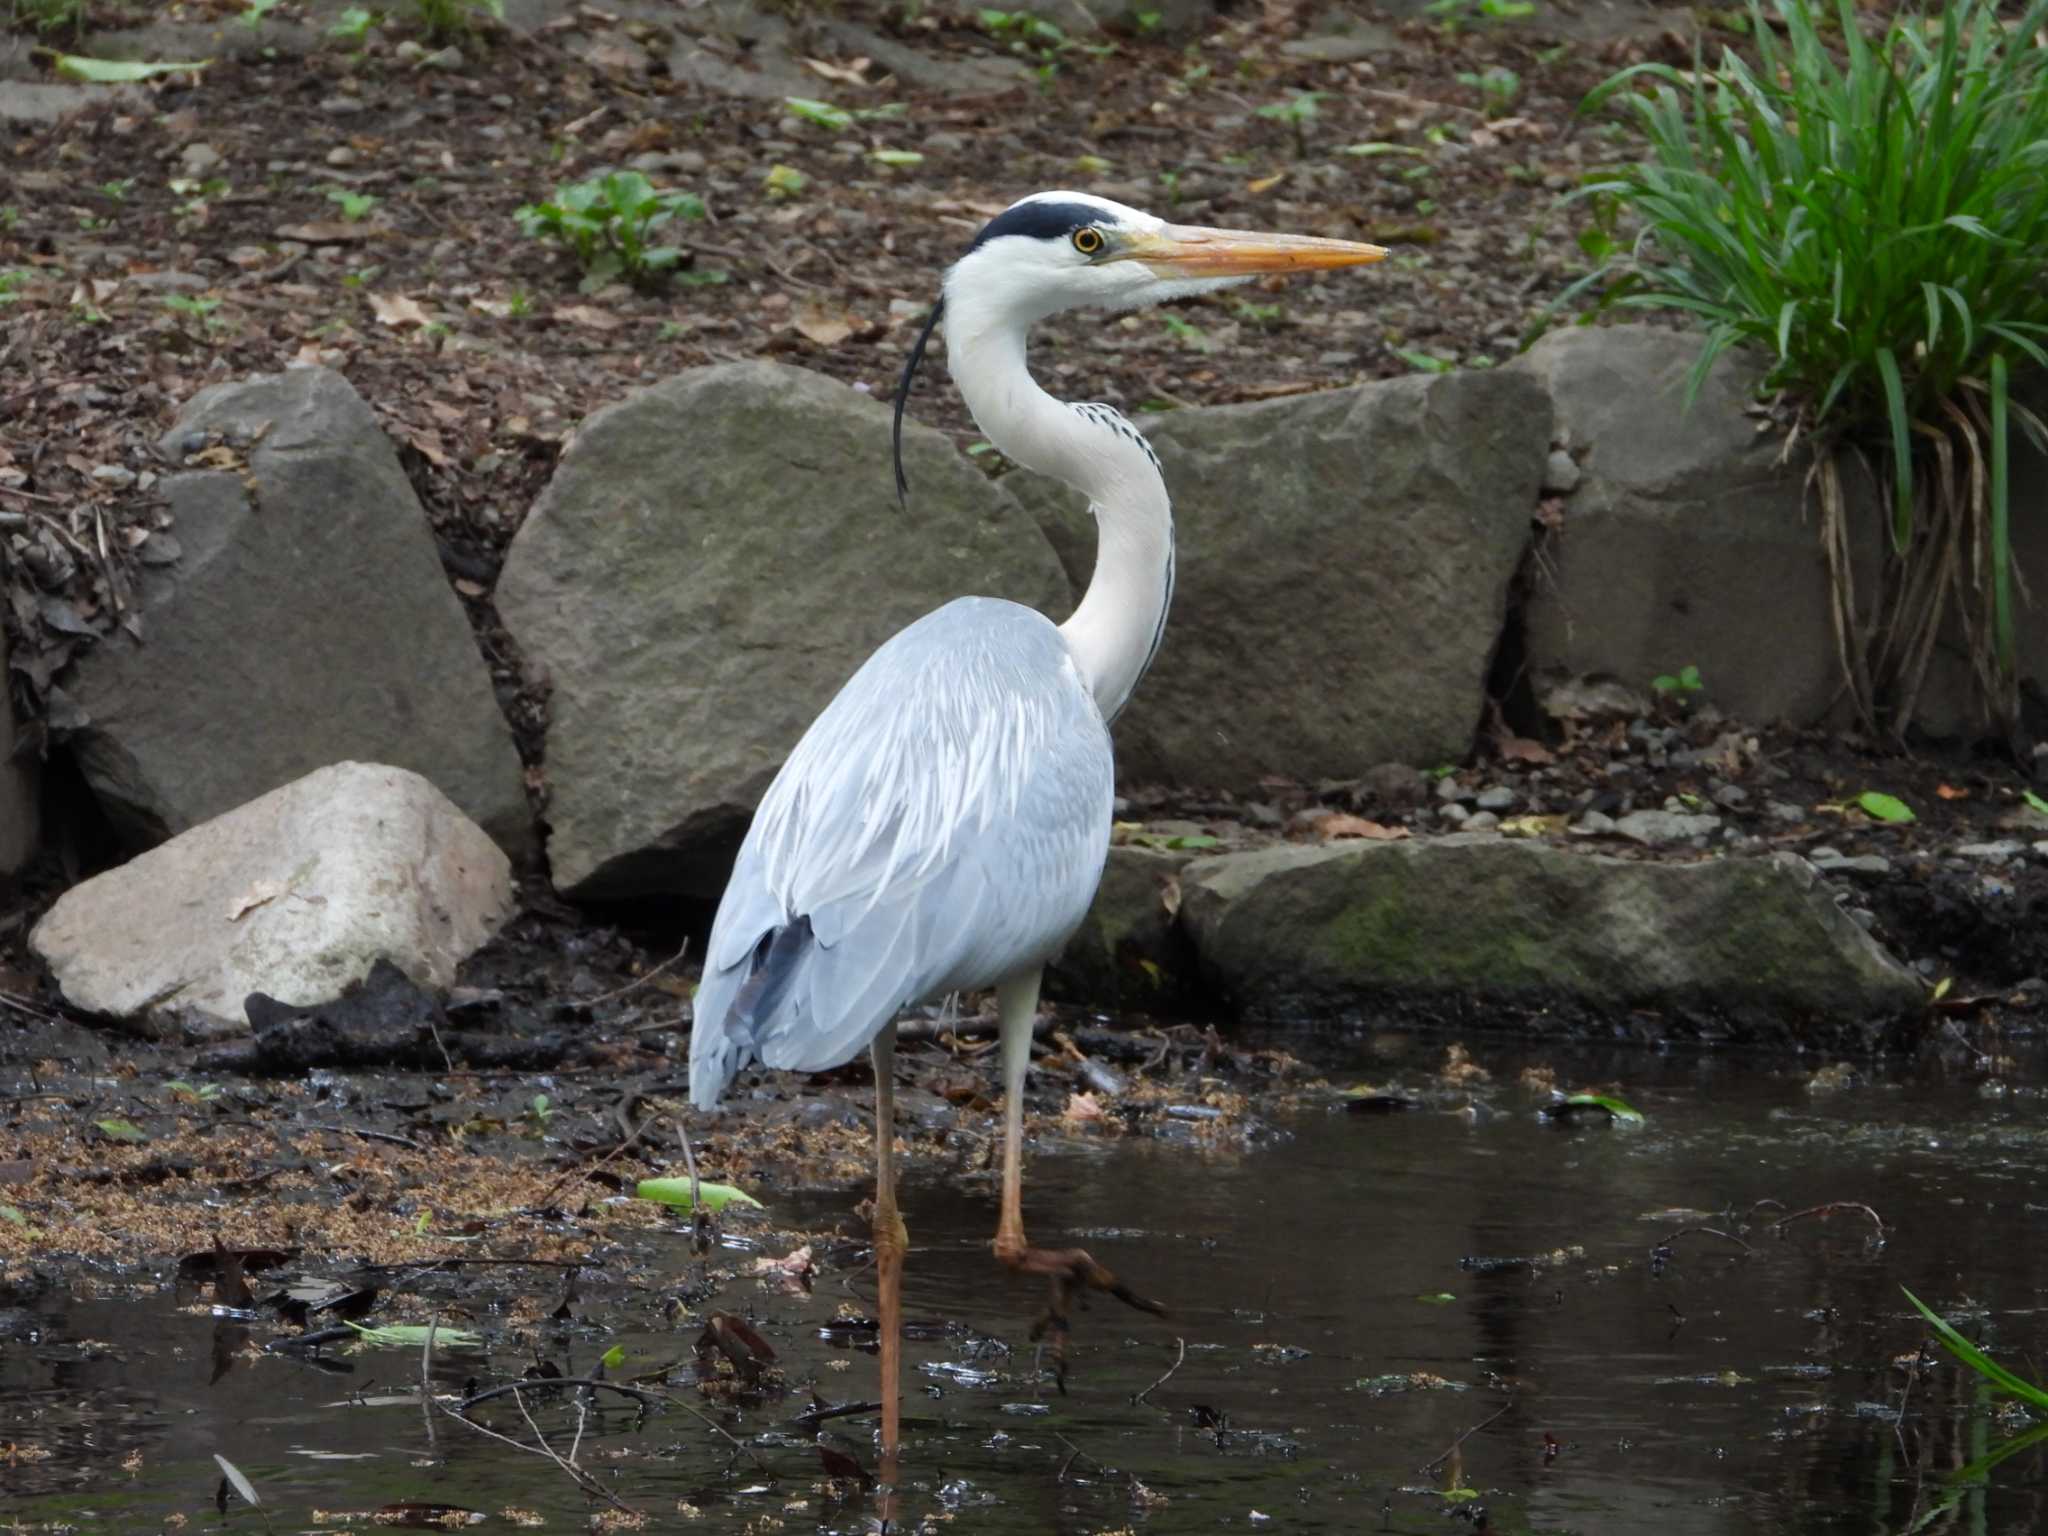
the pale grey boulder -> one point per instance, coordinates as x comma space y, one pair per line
1469, 926
296, 894
1687, 540
712, 560
1343, 564
306, 621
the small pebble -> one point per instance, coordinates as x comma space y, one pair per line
1560, 473
1481, 821
1499, 798
1453, 812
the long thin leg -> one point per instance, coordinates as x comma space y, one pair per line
1068, 1268
891, 1242
1017, 1008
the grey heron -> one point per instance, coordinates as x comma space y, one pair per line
943, 824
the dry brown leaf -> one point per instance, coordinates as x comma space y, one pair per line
1083, 1108
1343, 824
827, 327
325, 232
397, 309
589, 316
1520, 749
1950, 792
1266, 183
846, 74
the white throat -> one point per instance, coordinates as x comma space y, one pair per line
1116, 629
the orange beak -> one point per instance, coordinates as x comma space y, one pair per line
1188, 250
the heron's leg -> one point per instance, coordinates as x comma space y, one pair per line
1069, 1269
891, 1242
1017, 1009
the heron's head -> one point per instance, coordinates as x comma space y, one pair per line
1070, 250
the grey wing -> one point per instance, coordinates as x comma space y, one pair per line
942, 825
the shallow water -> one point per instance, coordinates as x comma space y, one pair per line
1322, 1284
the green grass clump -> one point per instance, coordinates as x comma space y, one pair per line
1871, 213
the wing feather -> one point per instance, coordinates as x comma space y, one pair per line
941, 825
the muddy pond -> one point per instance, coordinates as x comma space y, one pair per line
1439, 1319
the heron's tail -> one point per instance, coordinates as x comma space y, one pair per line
735, 1002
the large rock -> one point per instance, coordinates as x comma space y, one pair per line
1687, 541
21, 801
1343, 566
1467, 925
306, 620
1129, 951
712, 560
296, 894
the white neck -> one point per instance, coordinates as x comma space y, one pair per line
1114, 632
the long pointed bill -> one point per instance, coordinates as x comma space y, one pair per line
1188, 250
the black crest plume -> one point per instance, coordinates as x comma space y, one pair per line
903, 395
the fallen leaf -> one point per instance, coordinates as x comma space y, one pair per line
1083, 1108
325, 232
589, 316
826, 327
1345, 825
1520, 749
797, 1263
1266, 183
120, 71
1532, 826
846, 74
1950, 792
396, 309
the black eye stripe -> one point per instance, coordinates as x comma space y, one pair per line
1038, 221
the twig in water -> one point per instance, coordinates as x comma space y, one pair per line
1829, 1209
1182, 1346
811, 1418
516, 1387
1430, 1466
1706, 1232
582, 1480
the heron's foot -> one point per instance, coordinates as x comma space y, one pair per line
1072, 1272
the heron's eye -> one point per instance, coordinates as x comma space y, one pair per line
1088, 241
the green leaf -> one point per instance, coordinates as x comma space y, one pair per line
823, 113
414, 1336
120, 1130
1619, 1109
2035, 801
614, 1357
119, 71
1425, 362
677, 1192
785, 181
12, 1214
1975, 1358
896, 156
1436, 1298
1879, 806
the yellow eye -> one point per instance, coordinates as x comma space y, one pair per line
1088, 241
